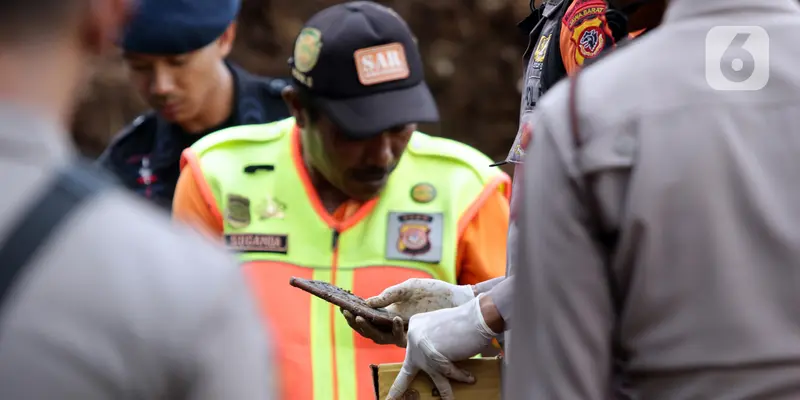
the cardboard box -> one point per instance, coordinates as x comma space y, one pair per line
486, 387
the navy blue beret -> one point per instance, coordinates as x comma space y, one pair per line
177, 26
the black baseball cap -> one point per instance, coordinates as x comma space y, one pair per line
360, 64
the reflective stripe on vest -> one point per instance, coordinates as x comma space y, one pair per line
273, 216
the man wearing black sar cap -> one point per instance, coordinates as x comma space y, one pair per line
347, 191
387, 90
176, 50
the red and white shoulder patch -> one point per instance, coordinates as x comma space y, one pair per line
586, 22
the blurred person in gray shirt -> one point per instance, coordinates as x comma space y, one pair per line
671, 227
116, 302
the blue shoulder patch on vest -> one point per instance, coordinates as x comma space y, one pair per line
424, 145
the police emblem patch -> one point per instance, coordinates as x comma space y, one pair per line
237, 213
589, 40
541, 48
415, 237
423, 193
307, 49
414, 234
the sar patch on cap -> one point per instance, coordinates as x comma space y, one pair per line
379, 64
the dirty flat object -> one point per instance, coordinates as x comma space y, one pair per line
346, 300
486, 387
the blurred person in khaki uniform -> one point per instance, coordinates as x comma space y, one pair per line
117, 303
690, 266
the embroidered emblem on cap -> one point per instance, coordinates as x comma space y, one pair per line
237, 213
254, 243
381, 64
306, 54
423, 193
415, 237
307, 49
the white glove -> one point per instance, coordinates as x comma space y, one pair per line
416, 296
438, 338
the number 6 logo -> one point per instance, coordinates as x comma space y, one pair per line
737, 58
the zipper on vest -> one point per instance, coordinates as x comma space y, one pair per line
335, 242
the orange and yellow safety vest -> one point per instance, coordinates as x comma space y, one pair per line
274, 219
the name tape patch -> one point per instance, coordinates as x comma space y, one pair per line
255, 243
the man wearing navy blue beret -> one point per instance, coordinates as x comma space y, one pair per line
176, 51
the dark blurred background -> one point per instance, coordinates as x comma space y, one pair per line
472, 51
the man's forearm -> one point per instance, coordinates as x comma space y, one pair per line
501, 295
491, 315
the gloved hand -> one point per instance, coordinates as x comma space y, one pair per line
438, 338
416, 296
405, 300
396, 337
